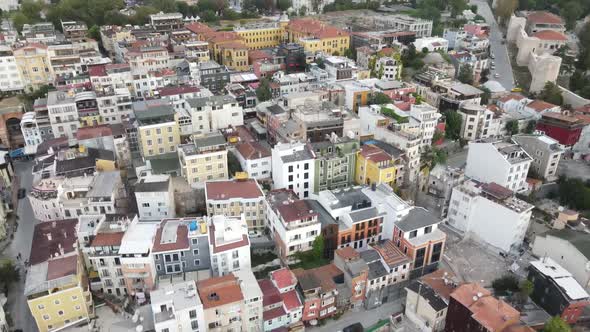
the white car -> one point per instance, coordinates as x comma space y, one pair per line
254, 234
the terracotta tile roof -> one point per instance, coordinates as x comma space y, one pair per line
391, 254
511, 96
94, 132
291, 300
283, 278
218, 291
436, 280
316, 28
584, 118
560, 117
544, 17
271, 294
252, 150
254, 55
273, 313
540, 105
550, 35
98, 70
180, 242
199, 28
49, 237
223, 36
297, 210
347, 253
62, 266
222, 190
177, 90
319, 277
583, 109
230, 246
233, 45
107, 239
496, 190
374, 153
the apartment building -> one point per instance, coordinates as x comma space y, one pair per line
33, 64
144, 58
177, 307
204, 159
335, 163
490, 213
157, 131
356, 273
476, 122
109, 77
44, 200
237, 197
180, 246
395, 207
210, 114
281, 304
545, 151
319, 291
293, 223
166, 22
316, 36
359, 223
293, 167
252, 315
115, 106
402, 22
137, 261
374, 166
155, 198
229, 245
263, 34
506, 164
55, 286
31, 132
63, 113
428, 117
419, 238
10, 79
255, 159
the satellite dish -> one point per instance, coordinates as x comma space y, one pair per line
139, 328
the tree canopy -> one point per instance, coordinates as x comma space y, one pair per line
556, 324
263, 92
453, 121
379, 98
465, 74
551, 93
512, 127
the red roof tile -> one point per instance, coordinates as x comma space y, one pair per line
316, 28
218, 291
511, 96
544, 17
540, 105
550, 35
297, 210
181, 241
291, 300
177, 90
271, 294
273, 313
50, 237
391, 254
98, 70
61, 267
347, 253
252, 150
199, 28
283, 278
374, 153
94, 132
221, 190
107, 239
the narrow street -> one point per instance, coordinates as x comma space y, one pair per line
17, 302
500, 51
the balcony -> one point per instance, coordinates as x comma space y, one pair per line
164, 316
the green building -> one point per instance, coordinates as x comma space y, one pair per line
334, 163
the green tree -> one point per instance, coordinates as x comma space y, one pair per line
379, 98
94, 33
526, 288
453, 123
551, 93
19, 20
233, 164
511, 127
505, 284
570, 13
350, 53
302, 11
318, 246
486, 95
283, 5
9, 274
530, 127
465, 74
166, 6
457, 6
263, 92
556, 324
438, 135
505, 8
574, 193
473, 8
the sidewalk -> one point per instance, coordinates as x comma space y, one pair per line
366, 317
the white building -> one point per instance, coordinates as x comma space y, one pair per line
10, 76
233, 198
137, 261
390, 68
210, 114
255, 159
394, 207
177, 307
476, 122
428, 117
115, 106
545, 151
293, 167
229, 245
402, 22
293, 223
490, 213
44, 199
63, 114
506, 164
155, 198
432, 44
31, 132
252, 315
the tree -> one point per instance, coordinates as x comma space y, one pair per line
453, 121
465, 74
94, 33
530, 127
283, 5
9, 274
526, 289
457, 6
574, 193
473, 8
318, 246
233, 164
511, 127
350, 53
556, 324
425, 50
19, 20
505, 284
438, 135
379, 98
570, 13
486, 95
263, 92
551, 93
302, 11
505, 8
484, 77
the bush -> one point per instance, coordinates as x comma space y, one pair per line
505, 285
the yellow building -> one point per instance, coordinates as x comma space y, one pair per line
375, 166
56, 287
158, 132
316, 36
33, 63
263, 34
203, 160
234, 55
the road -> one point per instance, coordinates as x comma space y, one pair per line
17, 302
502, 60
366, 317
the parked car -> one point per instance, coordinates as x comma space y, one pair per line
254, 234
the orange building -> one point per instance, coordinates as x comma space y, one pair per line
356, 272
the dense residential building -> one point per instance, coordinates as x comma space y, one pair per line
210, 114
178, 307
316, 36
137, 261
255, 159
419, 237
476, 122
157, 130
229, 245
11, 78
506, 164
237, 197
63, 114
394, 207
401, 22
545, 151
293, 223
204, 159
556, 291
374, 166
33, 63
155, 198
356, 272
490, 213
319, 290
293, 167
563, 128
335, 163
166, 22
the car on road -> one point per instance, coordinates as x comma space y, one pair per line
21, 193
516, 89
496, 75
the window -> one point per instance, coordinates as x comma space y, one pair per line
61, 312
195, 241
41, 307
78, 307
56, 302
195, 324
196, 252
413, 234
197, 262
46, 317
